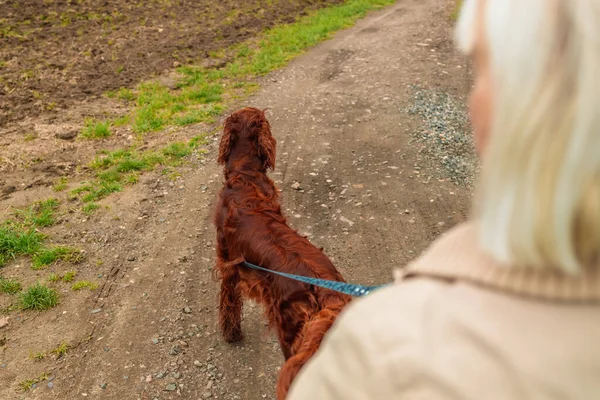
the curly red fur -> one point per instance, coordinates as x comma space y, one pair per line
251, 227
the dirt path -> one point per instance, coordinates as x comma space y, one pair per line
339, 115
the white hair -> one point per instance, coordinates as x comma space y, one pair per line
539, 195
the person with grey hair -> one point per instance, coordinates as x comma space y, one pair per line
506, 305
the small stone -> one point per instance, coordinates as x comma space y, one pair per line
149, 378
296, 186
50, 385
197, 363
96, 311
187, 310
236, 381
207, 395
171, 387
103, 386
131, 258
346, 220
174, 350
176, 375
66, 135
3, 322
210, 367
155, 340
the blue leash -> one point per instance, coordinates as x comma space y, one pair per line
350, 289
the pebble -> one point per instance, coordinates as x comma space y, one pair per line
187, 310
207, 395
131, 258
96, 311
103, 386
155, 340
197, 363
171, 387
3, 322
50, 385
296, 186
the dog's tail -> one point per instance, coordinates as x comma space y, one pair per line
314, 331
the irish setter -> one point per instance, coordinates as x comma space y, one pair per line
251, 227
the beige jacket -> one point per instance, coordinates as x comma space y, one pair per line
457, 326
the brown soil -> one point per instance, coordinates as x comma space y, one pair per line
54, 54
369, 198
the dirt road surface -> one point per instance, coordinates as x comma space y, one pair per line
368, 197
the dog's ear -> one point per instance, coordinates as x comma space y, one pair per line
226, 141
266, 144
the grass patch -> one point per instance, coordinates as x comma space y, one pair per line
15, 241
54, 278
61, 350
39, 356
69, 276
90, 208
95, 129
29, 384
61, 184
49, 256
39, 298
40, 214
84, 285
9, 286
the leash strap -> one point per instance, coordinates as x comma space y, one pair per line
350, 289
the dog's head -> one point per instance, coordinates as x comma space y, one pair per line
247, 133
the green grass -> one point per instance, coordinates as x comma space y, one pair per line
84, 285
40, 214
39, 356
27, 384
122, 167
38, 298
54, 278
9, 286
61, 184
69, 276
16, 241
95, 129
49, 256
90, 208
61, 350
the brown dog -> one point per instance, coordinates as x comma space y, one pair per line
251, 227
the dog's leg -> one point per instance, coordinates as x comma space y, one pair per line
230, 305
230, 298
